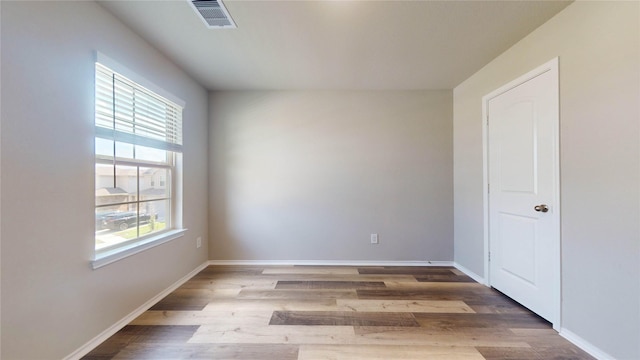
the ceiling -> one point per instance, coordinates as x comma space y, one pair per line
336, 45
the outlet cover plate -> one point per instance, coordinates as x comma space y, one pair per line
374, 238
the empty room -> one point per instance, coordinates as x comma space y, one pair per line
358, 179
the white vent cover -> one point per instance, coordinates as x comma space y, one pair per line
213, 13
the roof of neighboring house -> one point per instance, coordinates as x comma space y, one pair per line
111, 191
153, 191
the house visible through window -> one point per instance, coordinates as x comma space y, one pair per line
138, 141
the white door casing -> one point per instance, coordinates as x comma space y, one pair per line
522, 242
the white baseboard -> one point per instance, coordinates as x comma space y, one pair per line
329, 263
471, 274
585, 345
111, 330
570, 336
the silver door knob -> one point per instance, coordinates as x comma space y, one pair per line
541, 208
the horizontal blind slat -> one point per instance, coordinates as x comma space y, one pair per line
135, 115
125, 137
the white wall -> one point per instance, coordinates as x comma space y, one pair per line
310, 175
599, 48
52, 302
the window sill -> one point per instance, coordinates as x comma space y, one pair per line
114, 255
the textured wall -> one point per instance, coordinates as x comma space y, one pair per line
598, 44
52, 301
310, 175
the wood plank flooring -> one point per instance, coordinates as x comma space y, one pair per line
335, 313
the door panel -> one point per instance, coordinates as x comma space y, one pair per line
522, 173
516, 148
518, 254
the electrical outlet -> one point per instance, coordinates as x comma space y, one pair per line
198, 242
374, 238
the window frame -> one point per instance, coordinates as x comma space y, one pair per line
109, 254
170, 165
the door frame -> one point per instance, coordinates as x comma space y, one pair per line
550, 66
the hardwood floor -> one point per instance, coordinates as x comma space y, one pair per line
338, 313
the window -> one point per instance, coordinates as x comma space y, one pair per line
138, 141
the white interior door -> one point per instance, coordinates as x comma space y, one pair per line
523, 176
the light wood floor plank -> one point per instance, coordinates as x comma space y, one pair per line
226, 318
505, 353
231, 283
297, 294
301, 334
342, 277
285, 334
300, 285
401, 284
414, 306
323, 270
391, 352
376, 335
270, 305
406, 270
382, 306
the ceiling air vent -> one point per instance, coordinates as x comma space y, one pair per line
213, 13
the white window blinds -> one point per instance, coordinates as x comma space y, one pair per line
128, 112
